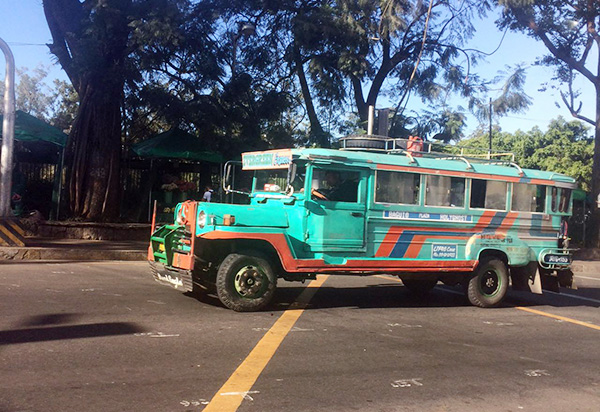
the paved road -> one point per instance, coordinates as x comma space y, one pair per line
106, 337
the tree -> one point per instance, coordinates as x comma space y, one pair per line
569, 30
32, 94
351, 53
94, 42
65, 105
565, 147
91, 43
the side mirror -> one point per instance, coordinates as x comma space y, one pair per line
291, 173
228, 176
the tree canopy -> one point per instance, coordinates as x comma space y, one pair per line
255, 74
570, 32
565, 147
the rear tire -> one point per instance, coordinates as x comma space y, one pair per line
420, 286
487, 288
245, 282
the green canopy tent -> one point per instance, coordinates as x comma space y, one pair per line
31, 129
41, 143
175, 144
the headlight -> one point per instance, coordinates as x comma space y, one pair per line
202, 219
180, 217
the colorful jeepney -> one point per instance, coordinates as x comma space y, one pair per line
423, 217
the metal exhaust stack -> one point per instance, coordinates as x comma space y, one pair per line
371, 120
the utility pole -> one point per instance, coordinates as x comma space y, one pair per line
8, 132
490, 146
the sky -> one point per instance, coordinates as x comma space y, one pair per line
23, 26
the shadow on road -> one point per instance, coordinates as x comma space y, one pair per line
52, 333
387, 295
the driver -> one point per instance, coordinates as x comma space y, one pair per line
337, 190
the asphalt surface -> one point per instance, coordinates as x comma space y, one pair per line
104, 336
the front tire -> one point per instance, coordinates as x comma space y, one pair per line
487, 288
245, 282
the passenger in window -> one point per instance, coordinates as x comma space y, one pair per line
457, 193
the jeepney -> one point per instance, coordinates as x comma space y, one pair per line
425, 217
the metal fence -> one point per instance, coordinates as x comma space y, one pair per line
141, 184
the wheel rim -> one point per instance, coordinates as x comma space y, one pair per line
490, 283
250, 281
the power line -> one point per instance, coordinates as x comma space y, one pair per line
26, 44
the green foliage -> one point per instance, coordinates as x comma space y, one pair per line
32, 93
65, 104
565, 147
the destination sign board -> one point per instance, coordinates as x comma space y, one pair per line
270, 159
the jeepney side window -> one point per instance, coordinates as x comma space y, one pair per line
335, 185
528, 198
397, 187
554, 202
540, 198
565, 200
488, 194
445, 191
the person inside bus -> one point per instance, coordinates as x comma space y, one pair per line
337, 190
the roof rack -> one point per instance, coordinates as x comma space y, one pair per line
415, 147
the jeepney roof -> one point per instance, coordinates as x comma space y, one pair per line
423, 162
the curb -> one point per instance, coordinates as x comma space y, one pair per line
590, 267
33, 253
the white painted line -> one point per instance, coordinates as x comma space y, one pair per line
586, 277
574, 296
243, 394
536, 373
407, 383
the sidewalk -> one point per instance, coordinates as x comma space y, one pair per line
53, 249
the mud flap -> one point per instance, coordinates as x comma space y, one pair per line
535, 282
533, 278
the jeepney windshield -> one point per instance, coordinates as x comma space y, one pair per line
275, 180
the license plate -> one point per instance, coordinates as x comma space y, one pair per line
557, 259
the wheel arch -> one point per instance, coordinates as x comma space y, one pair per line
216, 250
493, 253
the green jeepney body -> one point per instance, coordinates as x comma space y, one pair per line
410, 215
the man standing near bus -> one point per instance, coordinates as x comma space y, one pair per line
207, 197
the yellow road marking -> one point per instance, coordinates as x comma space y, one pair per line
537, 312
231, 394
550, 315
9, 234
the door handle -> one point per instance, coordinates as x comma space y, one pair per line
357, 214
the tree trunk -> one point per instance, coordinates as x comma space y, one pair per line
94, 151
595, 230
316, 131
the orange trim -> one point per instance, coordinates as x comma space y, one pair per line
290, 264
391, 237
388, 243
